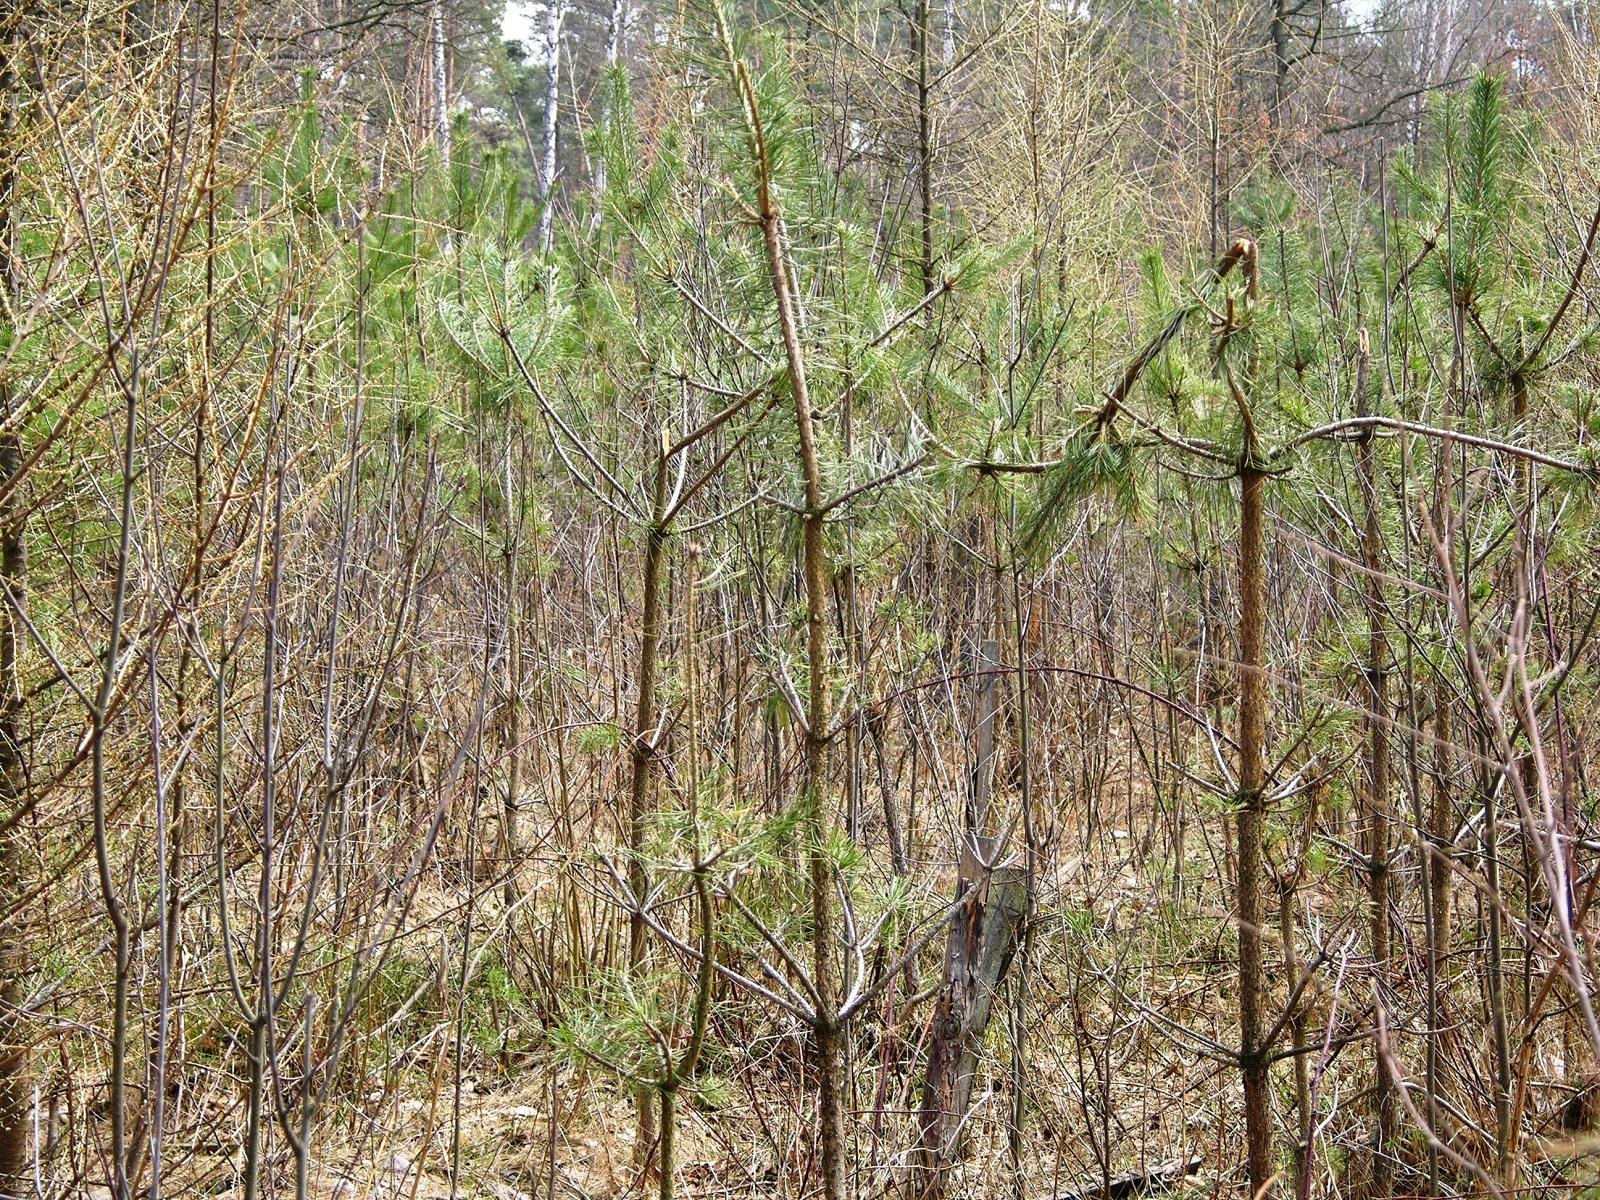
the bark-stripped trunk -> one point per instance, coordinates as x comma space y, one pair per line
990, 905
983, 938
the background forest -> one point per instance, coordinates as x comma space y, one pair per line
948, 598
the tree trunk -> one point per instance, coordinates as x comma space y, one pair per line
1253, 1051
1279, 36
15, 1083
512, 809
1443, 820
15, 1038
615, 25
1375, 798
642, 757
827, 1035
924, 147
990, 905
555, 13
439, 78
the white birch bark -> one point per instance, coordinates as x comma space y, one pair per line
441, 83
555, 13
614, 28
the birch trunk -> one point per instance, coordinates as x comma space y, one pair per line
554, 15
441, 81
614, 27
